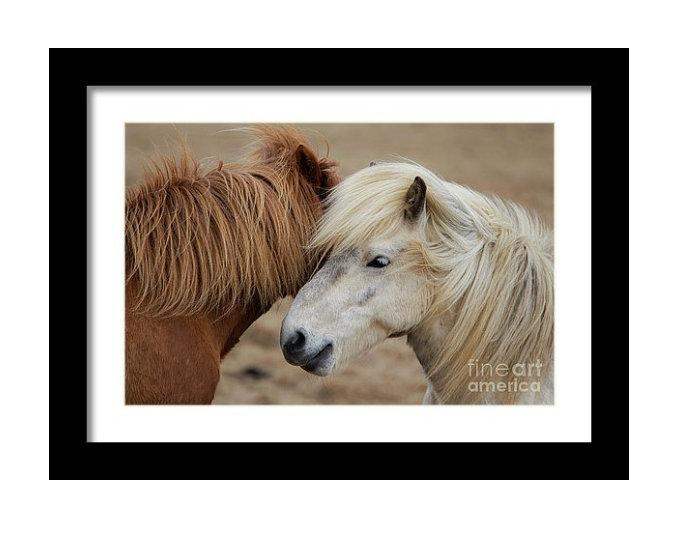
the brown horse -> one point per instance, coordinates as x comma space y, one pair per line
208, 252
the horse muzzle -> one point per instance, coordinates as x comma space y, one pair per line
299, 351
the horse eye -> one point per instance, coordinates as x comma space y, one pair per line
379, 262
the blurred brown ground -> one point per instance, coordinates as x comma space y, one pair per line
510, 160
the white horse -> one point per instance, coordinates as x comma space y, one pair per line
468, 278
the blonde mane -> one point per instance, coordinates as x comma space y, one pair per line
210, 238
489, 262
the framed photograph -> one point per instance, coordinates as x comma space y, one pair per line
341, 265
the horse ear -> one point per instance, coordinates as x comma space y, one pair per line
415, 200
309, 167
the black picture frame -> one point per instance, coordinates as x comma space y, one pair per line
72, 72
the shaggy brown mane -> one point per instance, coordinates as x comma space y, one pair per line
209, 239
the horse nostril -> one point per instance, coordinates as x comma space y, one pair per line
295, 342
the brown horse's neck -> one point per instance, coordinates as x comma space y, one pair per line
177, 359
221, 329
228, 328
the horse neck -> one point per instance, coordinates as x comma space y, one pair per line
222, 329
227, 328
427, 341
